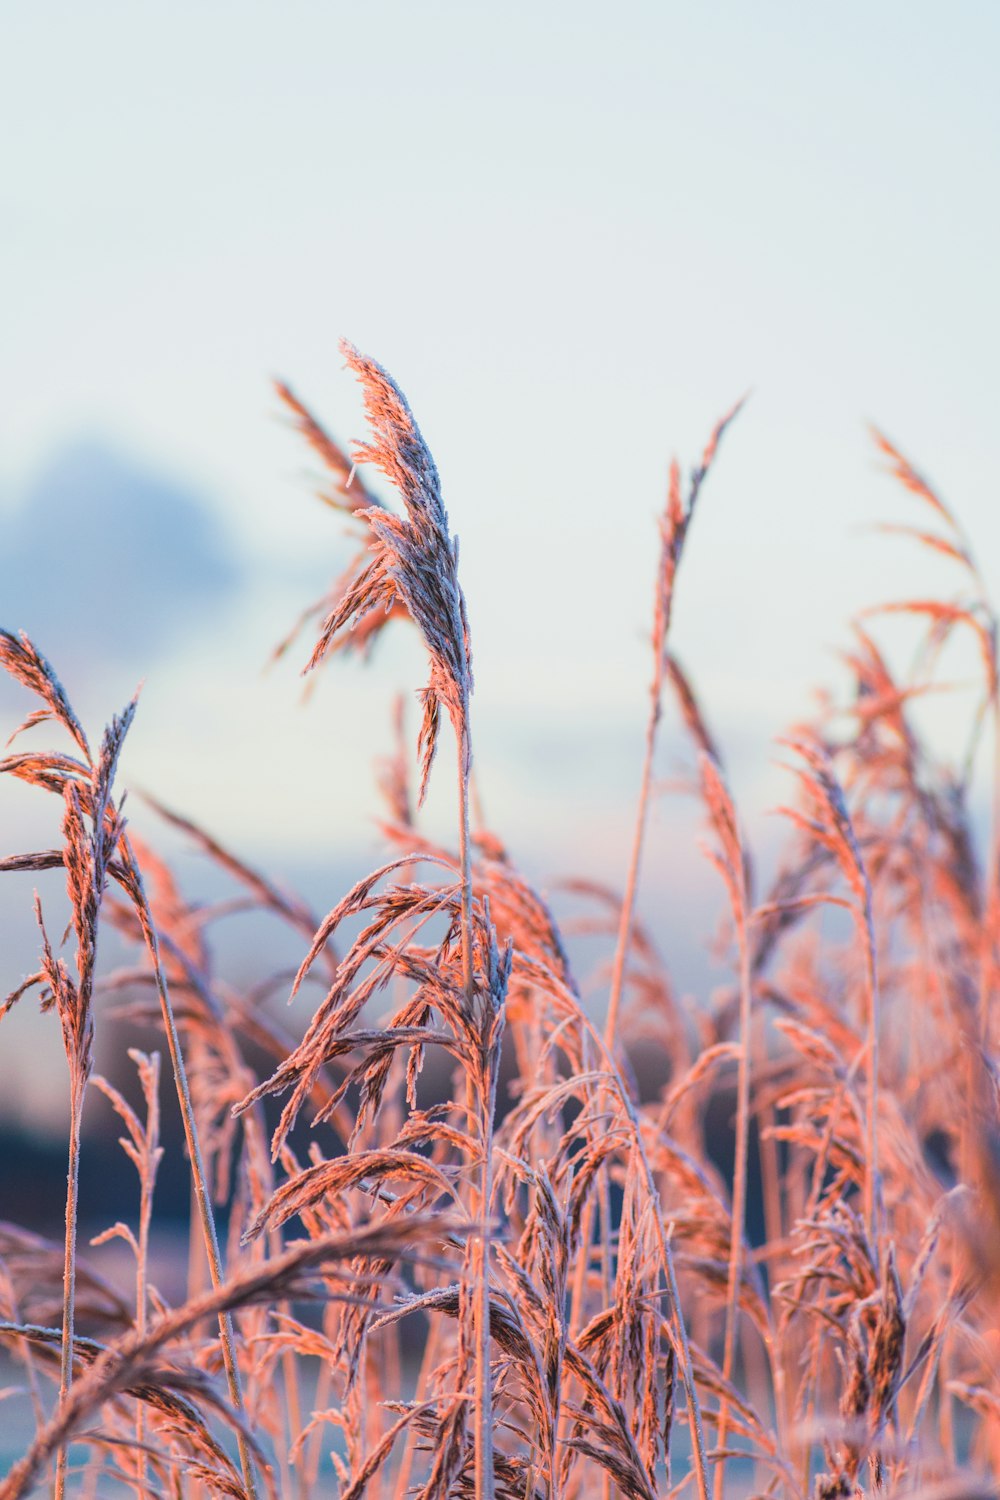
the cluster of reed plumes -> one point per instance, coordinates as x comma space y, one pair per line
542, 1288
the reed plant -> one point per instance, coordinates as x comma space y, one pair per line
508, 1276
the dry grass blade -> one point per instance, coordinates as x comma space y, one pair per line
901, 469
350, 491
329, 1178
269, 895
21, 659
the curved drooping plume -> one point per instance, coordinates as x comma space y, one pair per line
414, 558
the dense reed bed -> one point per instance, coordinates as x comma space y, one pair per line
527, 1284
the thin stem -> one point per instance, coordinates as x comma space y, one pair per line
481, 1090
987, 959
872, 1213
739, 1176
663, 1236
975, 1035
427, 1363
321, 1396
142, 1297
77, 1089
625, 921
635, 861
484, 1392
198, 1176
293, 1404
694, 1410
774, 1226
465, 854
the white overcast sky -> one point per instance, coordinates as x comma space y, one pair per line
575, 233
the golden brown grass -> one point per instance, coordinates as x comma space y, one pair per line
530, 1285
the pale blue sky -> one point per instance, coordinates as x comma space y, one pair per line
575, 233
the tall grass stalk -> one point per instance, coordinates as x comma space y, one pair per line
730, 859
480, 1100
199, 1176
674, 524
77, 1092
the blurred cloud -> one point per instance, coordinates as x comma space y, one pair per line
106, 559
